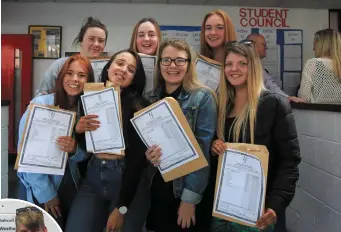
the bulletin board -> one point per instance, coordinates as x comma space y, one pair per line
284, 56
284, 59
191, 34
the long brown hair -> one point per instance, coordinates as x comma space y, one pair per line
230, 33
136, 28
61, 97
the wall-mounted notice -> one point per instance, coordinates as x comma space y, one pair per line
242, 33
293, 37
191, 34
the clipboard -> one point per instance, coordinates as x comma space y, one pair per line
193, 165
30, 107
259, 151
98, 87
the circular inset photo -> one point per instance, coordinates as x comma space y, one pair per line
22, 216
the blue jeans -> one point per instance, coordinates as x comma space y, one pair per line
98, 195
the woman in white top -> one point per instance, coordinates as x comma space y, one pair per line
321, 77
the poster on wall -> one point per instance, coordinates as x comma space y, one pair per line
191, 34
47, 41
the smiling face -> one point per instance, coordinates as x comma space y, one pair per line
122, 70
75, 78
215, 31
173, 74
93, 42
236, 70
147, 40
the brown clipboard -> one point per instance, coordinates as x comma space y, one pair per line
98, 87
193, 165
30, 108
259, 151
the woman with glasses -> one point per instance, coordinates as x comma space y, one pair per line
248, 113
175, 204
218, 29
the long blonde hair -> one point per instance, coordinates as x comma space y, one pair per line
328, 44
230, 33
136, 28
227, 94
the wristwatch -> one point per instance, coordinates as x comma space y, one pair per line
123, 210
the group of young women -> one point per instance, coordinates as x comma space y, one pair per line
115, 193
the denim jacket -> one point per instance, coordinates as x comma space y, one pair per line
200, 110
44, 187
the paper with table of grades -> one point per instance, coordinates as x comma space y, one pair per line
159, 126
88, 141
149, 63
208, 74
240, 192
40, 152
109, 135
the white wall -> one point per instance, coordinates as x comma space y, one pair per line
121, 18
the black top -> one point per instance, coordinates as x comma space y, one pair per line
275, 128
134, 158
317, 106
174, 94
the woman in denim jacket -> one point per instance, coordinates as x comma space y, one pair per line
56, 192
173, 204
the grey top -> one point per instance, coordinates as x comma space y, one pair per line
50, 77
270, 83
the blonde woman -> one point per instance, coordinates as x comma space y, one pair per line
218, 29
250, 114
175, 206
146, 37
321, 76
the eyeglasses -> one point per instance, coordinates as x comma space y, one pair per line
244, 41
177, 61
28, 209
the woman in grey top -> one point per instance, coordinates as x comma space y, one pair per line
91, 39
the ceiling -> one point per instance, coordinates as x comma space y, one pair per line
319, 4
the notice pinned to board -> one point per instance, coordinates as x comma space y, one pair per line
270, 35
293, 37
191, 34
242, 33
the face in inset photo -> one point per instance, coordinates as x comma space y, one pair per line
21, 216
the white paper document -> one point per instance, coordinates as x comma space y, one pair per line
89, 146
97, 66
109, 135
292, 64
159, 126
240, 194
208, 74
291, 81
242, 33
293, 37
149, 63
40, 152
270, 36
272, 62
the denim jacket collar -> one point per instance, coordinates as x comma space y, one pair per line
156, 94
